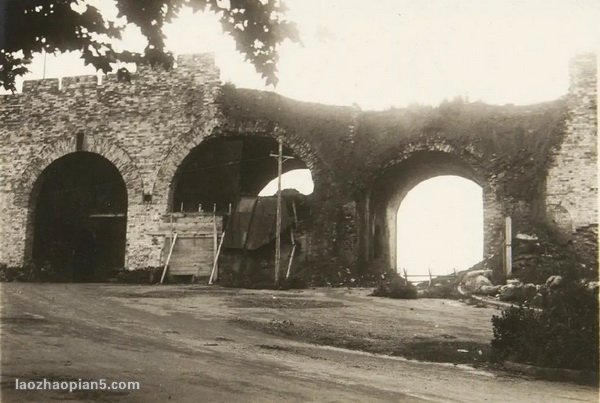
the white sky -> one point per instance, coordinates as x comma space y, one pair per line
299, 179
440, 226
396, 52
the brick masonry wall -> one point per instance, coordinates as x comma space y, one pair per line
146, 129
572, 181
133, 125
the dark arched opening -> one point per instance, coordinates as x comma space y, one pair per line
79, 226
220, 170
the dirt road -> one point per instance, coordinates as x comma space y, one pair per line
194, 343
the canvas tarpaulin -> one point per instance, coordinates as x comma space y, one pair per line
253, 223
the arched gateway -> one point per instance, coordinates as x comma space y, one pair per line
79, 219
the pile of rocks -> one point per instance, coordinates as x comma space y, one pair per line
478, 282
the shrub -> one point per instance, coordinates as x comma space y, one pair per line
564, 334
396, 287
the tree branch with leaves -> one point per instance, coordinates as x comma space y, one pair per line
55, 26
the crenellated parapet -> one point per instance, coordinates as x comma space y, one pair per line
189, 69
91, 102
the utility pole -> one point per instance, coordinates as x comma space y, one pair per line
280, 160
278, 228
44, 73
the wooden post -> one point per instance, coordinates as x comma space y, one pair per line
430, 278
215, 235
280, 158
214, 269
507, 255
278, 222
289, 268
287, 275
44, 71
405, 274
162, 278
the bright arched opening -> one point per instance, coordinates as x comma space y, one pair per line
440, 226
299, 179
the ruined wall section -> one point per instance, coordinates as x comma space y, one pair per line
132, 124
506, 148
572, 180
317, 134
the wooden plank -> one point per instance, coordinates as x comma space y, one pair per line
192, 256
215, 263
187, 227
182, 234
289, 268
168, 258
215, 241
507, 255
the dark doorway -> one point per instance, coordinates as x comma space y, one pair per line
80, 219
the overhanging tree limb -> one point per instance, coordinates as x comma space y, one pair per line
32, 26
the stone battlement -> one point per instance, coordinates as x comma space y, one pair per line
200, 66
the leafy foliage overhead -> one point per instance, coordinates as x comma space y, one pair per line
33, 26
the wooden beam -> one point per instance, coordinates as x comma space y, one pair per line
215, 263
162, 278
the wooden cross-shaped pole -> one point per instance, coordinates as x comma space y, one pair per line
280, 160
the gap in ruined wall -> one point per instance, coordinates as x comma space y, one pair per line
79, 219
389, 190
296, 179
439, 227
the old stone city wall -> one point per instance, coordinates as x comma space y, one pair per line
535, 163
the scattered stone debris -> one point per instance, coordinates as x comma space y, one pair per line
527, 237
554, 281
396, 287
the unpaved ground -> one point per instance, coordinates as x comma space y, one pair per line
195, 343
